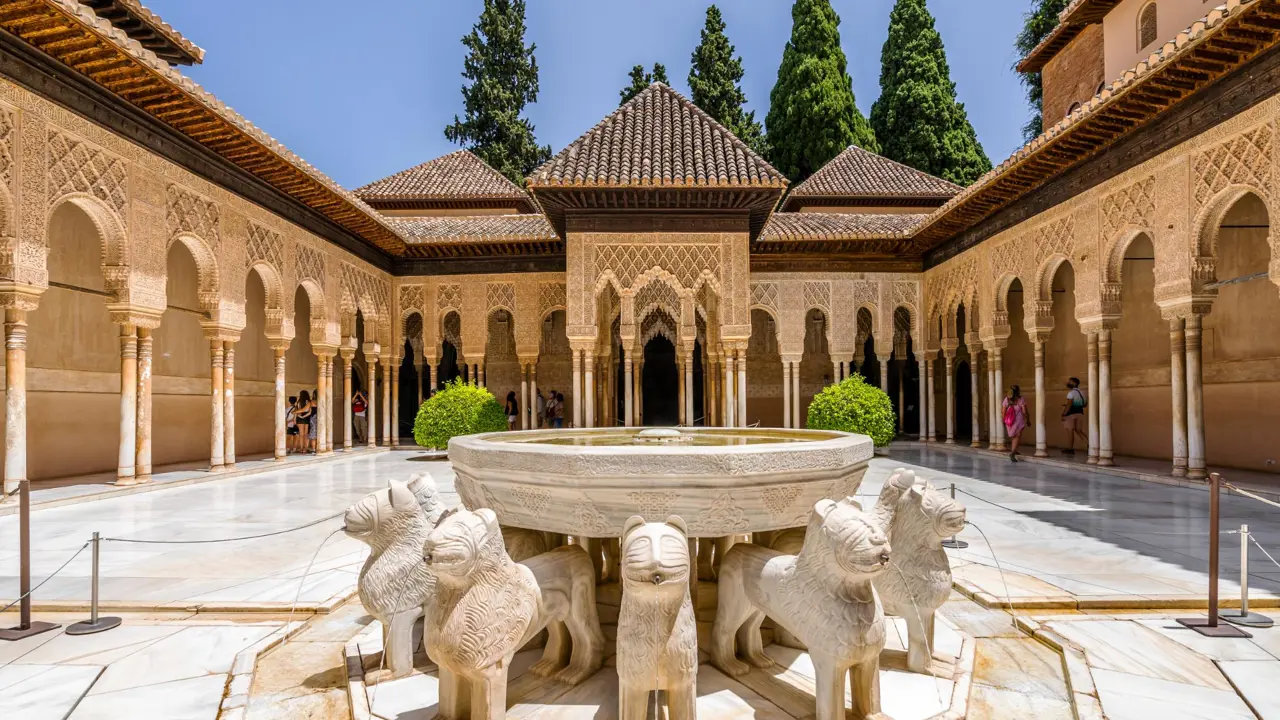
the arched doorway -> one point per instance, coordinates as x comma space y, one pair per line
660, 383
449, 369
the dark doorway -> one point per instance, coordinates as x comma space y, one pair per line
699, 410
661, 383
964, 402
408, 391
448, 368
870, 369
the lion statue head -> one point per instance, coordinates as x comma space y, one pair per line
381, 516
656, 553
926, 512
842, 534
463, 542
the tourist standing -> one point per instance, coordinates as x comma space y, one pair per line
315, 423
360, 416
1073, 416
559, 419
291, 425
540, 405
1014, 410
303, 419
513, 410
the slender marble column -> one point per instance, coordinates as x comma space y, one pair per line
902, 396
524, 396
371, 414
836, 372
229, 405
215, 429
321, 418
577, 388
143, 463
282, 401
1092, 409
742, 388
1196, 466
681, 417
690, 418
1178, 387
589, 391
933, 419
1104, 398
925, 374
535, 421
993, 437
884, 373
348, 390
640, 391
126, 469
786, 394
948, 363
629, 400
999, 404
15, 402
976, 400
395, 403
730, 405
1042, 440
331, 389
386, 400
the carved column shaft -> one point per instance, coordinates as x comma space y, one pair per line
796, 420
1196, 465
884, 372
933, 420
1000, 429
681, 418
730, 405
1178, 389
145, 355
1104, 398
1092, 354
281, 405
742, 387
229, 404
127, 457
535, 421
386, 398
628, 372
993, 407
15, 400
1042, 446
690, 417
589, 391
949, 366
975, 403
371, 395
786, 393
902, 396
216, 405
577, 387
348, 390
395, 403
924, 399
321, 415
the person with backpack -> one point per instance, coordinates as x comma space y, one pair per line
360, 416
1073, 416
291, 424
1014, 410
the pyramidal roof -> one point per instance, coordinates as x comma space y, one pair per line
858, 174
458, 179
658, 139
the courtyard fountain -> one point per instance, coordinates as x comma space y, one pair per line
732, 570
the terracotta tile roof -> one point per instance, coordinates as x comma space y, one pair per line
458, 176
857, 173
1173, 72
657, 139
479, 235
143, 25
786, 226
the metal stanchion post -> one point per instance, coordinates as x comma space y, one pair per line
26, 628
952, 542
1243, 616
1210, 626
94, 624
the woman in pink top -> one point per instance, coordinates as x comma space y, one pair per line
1014, 410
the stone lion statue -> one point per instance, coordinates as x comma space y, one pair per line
822, 595
394, 583
657, 630
920, 582
486, 606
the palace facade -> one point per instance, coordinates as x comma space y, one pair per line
170, 274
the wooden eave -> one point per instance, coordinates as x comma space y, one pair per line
757, 201
1220, 49
166, 43
1071, 23
521, 205
48, 26
793, 203
485, 248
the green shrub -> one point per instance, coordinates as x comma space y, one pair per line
856, 407
458, 409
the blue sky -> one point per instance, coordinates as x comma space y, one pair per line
364, 89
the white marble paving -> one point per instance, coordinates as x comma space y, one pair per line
43, 692
189, 699
1258, 682
189, 653
1135, 697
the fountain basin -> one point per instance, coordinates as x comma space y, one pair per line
721, 481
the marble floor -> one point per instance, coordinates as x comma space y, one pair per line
176, 566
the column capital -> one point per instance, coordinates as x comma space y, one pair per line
20, 296
348, 353
133, 315
325, 351
222, 333
372, 350
279, 342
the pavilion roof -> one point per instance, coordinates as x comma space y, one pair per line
826, 233
857, 176
143, 25
479, 235
459, 179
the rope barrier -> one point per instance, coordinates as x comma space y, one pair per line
42, 582
1264, 551
1248, 494
1109, 532
219, 540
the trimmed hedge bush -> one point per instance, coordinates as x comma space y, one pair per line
856, 407
459, 409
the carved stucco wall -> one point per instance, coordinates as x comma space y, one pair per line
140, 204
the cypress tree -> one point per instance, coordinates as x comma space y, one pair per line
715, 79
503, 77
1037, 24
917, 117
641, 80
812, 114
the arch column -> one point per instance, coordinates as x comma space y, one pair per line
385, 360
933, 414
786, 393
125, 465
229, 404
629, 391
949, 365
997, 396
279, 347
216, 434
395, 401
1196, 465
134, 457
322, 402
1092, 354
576, 382
975, 403
689, 417
1104, 396
730, 384
742, 386
1178, 388
348, 355
925, 374
18, 301
143, 439
371, 417
1042, 446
